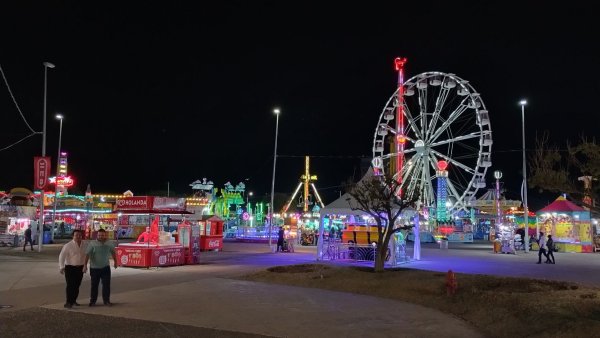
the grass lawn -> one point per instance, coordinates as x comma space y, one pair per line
496, 306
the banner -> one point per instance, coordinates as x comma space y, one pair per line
41, 171
169, 204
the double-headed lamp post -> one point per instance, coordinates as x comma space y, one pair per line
525, 206
276, 111
41, 222
60, 118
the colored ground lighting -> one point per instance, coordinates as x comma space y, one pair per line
442, 165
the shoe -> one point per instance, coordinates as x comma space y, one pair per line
538, 263
92, 304
76, 304
68, 305
108, 303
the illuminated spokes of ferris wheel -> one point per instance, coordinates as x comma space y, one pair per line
444, 119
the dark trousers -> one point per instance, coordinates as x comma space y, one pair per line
280, 244
550, 253
28, 240
540, 253
73, 276
97, 275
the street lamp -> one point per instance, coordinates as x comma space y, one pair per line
41, 222
525, 206
249, 194
59, 117
276, 111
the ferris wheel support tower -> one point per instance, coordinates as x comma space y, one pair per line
400, 137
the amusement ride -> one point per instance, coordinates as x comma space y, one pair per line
434, 118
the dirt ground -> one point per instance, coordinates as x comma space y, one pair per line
497, 306
41, 322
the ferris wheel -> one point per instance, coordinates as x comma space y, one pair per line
442, 118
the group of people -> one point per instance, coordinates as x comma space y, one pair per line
546, 248
73, 263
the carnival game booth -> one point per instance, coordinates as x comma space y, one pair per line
569, 224
154, 246
211, 233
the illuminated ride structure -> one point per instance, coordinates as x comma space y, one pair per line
307, 180
431, 117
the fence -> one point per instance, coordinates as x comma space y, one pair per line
335, 250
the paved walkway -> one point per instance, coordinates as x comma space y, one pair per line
206, 297
207, 300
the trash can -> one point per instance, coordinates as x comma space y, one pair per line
497, 246
444, 243
47, 237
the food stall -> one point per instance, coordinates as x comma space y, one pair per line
569, 224
154, 246
211, 233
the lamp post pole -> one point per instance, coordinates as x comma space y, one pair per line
59, 117
41, 222
276, 111
525, 205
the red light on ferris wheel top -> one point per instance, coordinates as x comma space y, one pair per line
399, 63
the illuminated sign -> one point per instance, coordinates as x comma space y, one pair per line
65, 181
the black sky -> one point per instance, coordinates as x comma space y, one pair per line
160, 92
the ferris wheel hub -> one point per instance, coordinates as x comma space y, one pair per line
420, 147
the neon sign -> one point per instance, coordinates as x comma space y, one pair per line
65, 181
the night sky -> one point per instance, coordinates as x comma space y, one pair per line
159, 92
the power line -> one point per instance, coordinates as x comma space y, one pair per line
16, 104
19, 141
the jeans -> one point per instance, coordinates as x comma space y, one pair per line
97, 275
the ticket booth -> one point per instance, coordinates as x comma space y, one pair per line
211, 233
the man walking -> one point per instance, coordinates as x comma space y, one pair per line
551, 248
98, 254
28, 238
70, 263
542, 245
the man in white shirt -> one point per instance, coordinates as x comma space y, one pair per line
71, 261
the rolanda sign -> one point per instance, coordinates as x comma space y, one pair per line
134, 203
151, 204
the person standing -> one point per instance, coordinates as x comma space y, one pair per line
28, 238
70, 262
542, 245
98, 255
550, 246
280, 239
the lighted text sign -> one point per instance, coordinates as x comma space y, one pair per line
65, 181
134, 203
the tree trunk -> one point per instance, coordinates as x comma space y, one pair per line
379, 259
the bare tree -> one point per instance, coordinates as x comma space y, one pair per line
558, 170
377, 196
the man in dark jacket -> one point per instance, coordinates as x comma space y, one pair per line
28, 238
